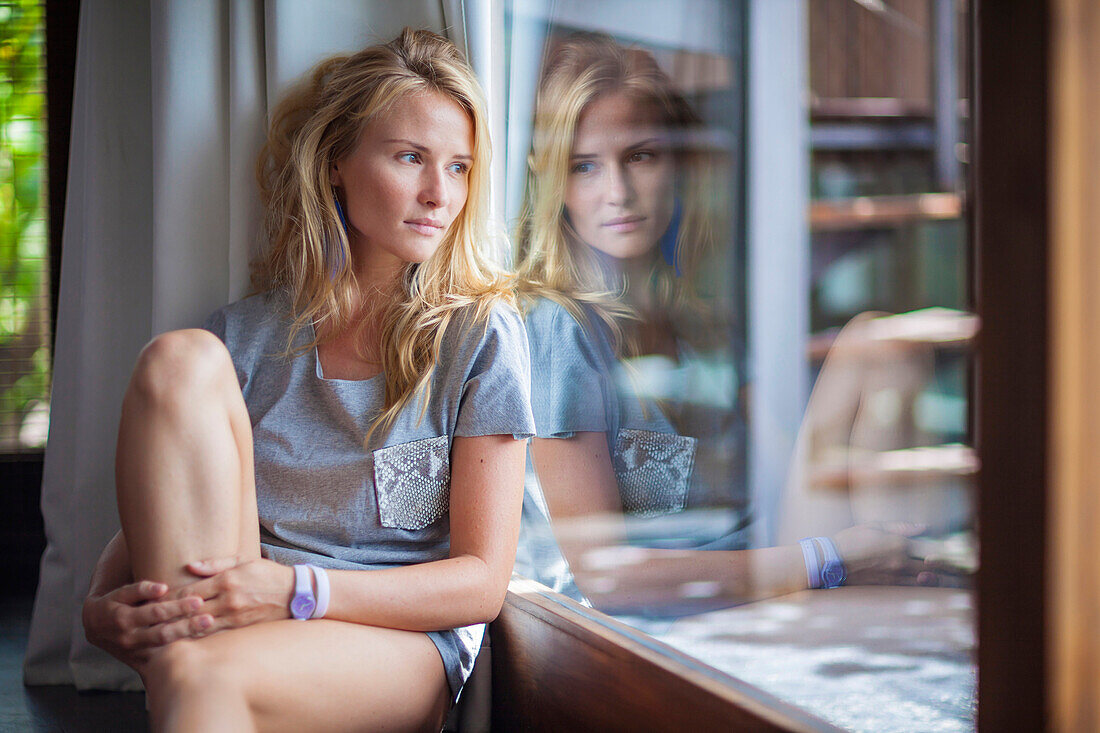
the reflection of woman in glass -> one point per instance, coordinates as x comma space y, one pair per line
342, 451
615, 248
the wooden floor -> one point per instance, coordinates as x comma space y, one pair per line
54, 708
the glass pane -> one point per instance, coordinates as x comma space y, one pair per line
24, 244
717, 206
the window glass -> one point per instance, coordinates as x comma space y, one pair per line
715, 208
24, 244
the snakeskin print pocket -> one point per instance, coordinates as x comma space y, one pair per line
654, 470
413, 482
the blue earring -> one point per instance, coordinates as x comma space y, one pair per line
668, 239
337, 258
340, 211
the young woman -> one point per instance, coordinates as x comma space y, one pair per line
320, 494
619, 268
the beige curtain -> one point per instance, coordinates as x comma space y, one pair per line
168, 116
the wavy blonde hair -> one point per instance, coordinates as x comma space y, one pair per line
307, 255
552, 260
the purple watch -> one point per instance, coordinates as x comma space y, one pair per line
303, 602
824, 566
833, 573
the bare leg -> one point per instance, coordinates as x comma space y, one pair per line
183, 470
293, 676
186, 491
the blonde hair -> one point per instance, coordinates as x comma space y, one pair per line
307, 255
552, 260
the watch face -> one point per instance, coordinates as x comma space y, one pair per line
833, 574
302, 606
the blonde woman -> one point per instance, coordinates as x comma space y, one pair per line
320, 494
617, 260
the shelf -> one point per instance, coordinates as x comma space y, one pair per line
874, 108
877, 212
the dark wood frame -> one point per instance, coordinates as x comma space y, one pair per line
560, 666
1011, 249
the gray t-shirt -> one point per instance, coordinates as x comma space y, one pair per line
325, 499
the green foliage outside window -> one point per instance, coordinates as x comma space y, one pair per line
24, 248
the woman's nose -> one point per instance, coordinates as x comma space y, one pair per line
620, 189
433, 189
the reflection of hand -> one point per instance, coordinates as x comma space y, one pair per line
241, 593
132, 622
880, 554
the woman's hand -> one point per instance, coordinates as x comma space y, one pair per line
880, 554
131, 622
238, 592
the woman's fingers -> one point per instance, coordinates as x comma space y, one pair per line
145, 590
165, 633
163, 612
206, 588
905, 529
206, 568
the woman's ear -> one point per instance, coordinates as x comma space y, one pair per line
334, 174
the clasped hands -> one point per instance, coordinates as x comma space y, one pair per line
132, 622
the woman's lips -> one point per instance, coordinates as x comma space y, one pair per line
624, 224
427, 227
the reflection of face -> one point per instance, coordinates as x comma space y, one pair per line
406, 179
619, 194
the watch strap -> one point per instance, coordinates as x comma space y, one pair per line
323, 591
809, 557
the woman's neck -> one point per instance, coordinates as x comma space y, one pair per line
637, 273
353, 350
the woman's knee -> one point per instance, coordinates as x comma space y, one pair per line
186, 668
179, 365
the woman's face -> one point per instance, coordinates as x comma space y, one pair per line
406, 180
619, 193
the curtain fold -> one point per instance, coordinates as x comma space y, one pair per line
169, 111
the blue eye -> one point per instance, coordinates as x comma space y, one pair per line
584, 167
459, 168
409, 157
640, 156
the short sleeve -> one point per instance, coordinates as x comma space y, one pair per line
246, 327
496, 395
568, 384
215, 323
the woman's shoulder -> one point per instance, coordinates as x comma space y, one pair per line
503, 316
561, 325
545, 315
252, 318
489, 322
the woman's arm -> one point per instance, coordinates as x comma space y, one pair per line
131, 620
581, 492
467, 587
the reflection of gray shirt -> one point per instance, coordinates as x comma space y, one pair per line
577, 385
325, 499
